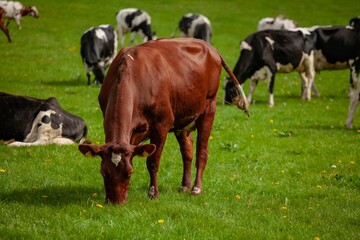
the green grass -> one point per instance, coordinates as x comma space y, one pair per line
291, 172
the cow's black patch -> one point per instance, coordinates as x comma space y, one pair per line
186, 21
129, 18
45, 119
55, 121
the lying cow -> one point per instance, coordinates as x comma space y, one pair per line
277, 23
2, 25
98, 49
26, 121
147, 93
134, 21
194, 26
16, 10
265, 53
338, 48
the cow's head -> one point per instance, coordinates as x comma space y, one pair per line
116, 166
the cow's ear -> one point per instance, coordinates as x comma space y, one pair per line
144, 150
90, 150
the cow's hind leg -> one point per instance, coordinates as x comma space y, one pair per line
354, 96
204, 125
185, 141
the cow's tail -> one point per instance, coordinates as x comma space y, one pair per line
240, 101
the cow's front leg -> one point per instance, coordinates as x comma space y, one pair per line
204, 125
185, 141
153, 163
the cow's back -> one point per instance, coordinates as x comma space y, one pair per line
14, 109
163, 74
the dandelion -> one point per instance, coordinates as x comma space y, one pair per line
252, 136
211, 138
352, 162
2, 170
274, 130
44, 197
319, 187
237, 197
271, 121
161, 221
99, 205
316, 238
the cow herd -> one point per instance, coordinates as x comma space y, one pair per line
170, 85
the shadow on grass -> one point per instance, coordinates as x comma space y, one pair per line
71, 82
53, 196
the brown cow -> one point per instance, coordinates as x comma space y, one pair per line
2, 25
168, 85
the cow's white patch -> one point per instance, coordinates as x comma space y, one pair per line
101, 34
130, 57
262, 73
42, 133
115, 158
271, 42
245, 46
304, 31
284, 68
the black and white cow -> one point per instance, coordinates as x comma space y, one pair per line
277, 23
26, 121
282, 23
193, 25
98, 49
134, 20
264, 53
339, 48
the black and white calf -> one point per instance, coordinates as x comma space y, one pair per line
265, 53
339, 48
26, 121
134, 21
194, 25
277, 23
98, 49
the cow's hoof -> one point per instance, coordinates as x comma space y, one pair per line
152, 193
183, 189
196, 191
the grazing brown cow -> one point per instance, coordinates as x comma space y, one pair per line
168, 85
2, 25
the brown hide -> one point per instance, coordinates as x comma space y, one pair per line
2, 25
150, 90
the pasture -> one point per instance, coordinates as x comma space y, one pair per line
291, 172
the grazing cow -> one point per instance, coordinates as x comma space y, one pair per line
98, 49
147, 93
266, 52
338, 48
194, 26
16, 10
2, 26
26, 121
277, 23
134, 21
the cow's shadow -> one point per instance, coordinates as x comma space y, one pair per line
53, 195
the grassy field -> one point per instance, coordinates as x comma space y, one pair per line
291, 172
